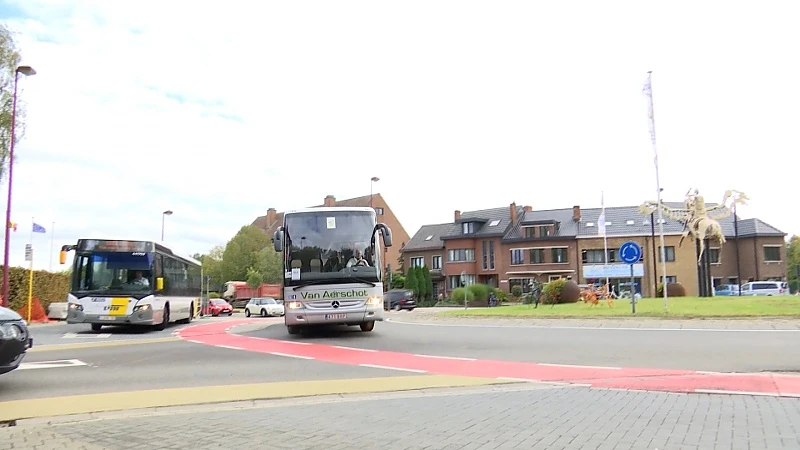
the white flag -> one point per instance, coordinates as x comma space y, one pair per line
648, 92
601, 221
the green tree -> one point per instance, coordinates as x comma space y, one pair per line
419, 274
428, 283
398, 281
793, 262
254, 278
411, 281
212, 265
269, 265
242, 253
10, 59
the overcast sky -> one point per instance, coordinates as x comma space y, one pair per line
219, 113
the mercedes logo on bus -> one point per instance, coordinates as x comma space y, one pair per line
335, 304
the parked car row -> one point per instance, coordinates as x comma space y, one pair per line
754, 288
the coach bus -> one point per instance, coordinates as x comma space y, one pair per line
332, 266
126, 282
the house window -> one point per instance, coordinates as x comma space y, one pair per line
461, 255
559, 255
494, 223
436, 262
488, 255
713, 256
418, 261
379, 210
517, 257
595, 256
525, 283
491, 255
553, 277
670, 251
468, 227
544, 231
772, 253
537, 255
670, 279
454, 281
429, 237
530, 232
733, 280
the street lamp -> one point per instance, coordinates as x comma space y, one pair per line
164, 215
27, 71
373, 181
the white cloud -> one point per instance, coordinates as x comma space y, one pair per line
220, 113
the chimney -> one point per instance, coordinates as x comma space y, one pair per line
576, 213
330, 201
457, 216
527, 208
513, 210
271, 216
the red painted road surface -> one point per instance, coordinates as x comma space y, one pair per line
218, 334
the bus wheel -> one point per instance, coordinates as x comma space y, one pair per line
164, 320
367, 326
292, 329
97, 326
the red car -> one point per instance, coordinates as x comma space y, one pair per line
218, 306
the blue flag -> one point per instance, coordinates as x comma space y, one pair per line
38, 228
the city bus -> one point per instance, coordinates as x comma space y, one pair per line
126, 282
332, 266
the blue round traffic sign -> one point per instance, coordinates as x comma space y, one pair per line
630, 252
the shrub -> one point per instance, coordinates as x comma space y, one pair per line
213, 295
480, 292
38, 313
552, 291
48, 287
457, 295
500, 294
516, 291
673, 290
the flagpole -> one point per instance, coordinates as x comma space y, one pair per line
605, 237
648, 91
30, 274
52, 245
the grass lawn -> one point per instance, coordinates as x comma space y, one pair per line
679, 307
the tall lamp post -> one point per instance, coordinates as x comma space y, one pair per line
28, 72
163, 216
373, 180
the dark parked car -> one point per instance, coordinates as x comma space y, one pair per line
398, 299
14, 340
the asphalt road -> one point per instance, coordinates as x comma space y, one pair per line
730, 351
163, 365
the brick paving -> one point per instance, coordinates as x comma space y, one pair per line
431, 315
510, 417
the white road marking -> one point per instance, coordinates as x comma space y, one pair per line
375, 366
578, 367
527, 380
194, 342
355, 348
51, 364
762, 394
229, 347
86, 336
290, 356
295, 342
446, 357
483, 325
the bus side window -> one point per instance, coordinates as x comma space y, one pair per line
159, 268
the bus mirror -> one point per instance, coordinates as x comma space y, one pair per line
159, 284
62, 257
276, 240
387, 235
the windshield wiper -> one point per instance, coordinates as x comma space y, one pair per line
312, 282
309, 283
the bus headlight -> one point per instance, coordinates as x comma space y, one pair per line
294, 305
374, 300
75, 306
144, 307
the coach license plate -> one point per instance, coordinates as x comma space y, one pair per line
108, 318
335, 316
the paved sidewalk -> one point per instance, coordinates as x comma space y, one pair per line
518, 417
431, 315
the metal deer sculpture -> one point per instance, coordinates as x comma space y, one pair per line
699, 222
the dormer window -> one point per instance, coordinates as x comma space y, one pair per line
630, 222
429, 238
544, 231
468, 227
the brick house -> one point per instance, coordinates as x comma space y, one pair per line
524, 244
426, 248
273, 219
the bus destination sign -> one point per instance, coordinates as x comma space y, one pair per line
98, 245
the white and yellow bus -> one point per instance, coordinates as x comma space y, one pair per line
122, 282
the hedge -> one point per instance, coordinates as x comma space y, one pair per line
48, 287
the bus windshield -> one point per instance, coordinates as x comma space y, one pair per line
331, 245
113, 272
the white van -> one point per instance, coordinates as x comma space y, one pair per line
768, 288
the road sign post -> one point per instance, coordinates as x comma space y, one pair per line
631, 253
464, 285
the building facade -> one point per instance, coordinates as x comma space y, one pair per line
504, 247
273, 219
